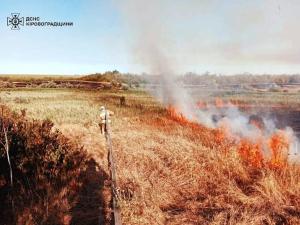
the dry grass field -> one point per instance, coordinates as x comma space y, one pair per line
168, 172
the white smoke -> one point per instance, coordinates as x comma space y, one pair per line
153, 46
239, 125
147, 21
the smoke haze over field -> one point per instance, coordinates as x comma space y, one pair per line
216, 36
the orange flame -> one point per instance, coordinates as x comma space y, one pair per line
219, 103
250, 151
279, 144
177, 116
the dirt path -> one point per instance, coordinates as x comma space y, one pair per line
94, 205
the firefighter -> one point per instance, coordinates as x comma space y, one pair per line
104, 115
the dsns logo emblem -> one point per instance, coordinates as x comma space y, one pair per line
15, 21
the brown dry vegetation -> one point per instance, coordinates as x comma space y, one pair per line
54, 181
167, 173
36, 77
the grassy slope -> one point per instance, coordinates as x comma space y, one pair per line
167, 173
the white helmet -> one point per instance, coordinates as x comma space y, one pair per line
102, 108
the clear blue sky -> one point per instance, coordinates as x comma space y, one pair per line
92, 44
231, 36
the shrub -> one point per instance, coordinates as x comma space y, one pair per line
46, 171
49, 84
32, 85
7, 84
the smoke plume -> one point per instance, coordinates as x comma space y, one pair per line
153, 42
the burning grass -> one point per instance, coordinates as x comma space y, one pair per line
230, 182
251, 151
190, 174
171, 170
